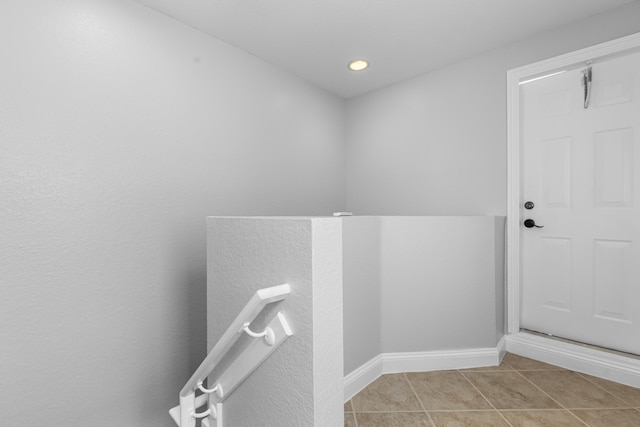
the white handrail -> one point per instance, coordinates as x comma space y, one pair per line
255, 305
184, 414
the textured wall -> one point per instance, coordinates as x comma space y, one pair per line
436, 144
328, 322
301, 383
120, 131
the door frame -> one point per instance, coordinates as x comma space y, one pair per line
571, 60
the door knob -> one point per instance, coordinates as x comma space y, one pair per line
529, 223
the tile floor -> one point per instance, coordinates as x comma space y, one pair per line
519, 393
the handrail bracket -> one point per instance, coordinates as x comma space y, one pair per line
242, 365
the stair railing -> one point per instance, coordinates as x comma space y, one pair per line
237, 370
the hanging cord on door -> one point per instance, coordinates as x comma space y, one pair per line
587, 75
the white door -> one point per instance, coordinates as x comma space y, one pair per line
581, 170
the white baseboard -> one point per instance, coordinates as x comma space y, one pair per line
603, 364
390, 363
361, 377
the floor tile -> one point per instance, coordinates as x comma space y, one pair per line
348, 407
393, 419
525, 364
630, 395
542, 418
525, 393
509, 390
446, 390
468, 419
609, 417
388, 393
572, 390
349, 419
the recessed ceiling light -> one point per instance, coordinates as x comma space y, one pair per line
358, 65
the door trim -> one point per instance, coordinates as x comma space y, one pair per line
571, 60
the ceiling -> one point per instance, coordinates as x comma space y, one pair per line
315, 39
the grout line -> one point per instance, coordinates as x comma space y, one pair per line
485, 398
589, 409
500, 410
603, 409
507, 363
355, 419
607, 408
473, 370
388, 412
534, 410
550, 366
462, 410
353, 413
541, 390
353, 406
602, 388
433, 424
550, 397
541, 370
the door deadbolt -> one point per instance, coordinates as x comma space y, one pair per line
529, 205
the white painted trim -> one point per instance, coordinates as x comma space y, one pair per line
361, 377
390, 363
610, 366
501, 348
439, 360
570, 60
513, 202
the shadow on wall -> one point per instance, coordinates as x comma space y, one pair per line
196, 282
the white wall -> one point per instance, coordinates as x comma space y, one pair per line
436, 144
361, 272
421, 284
439, 284
120, 131
301, 384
